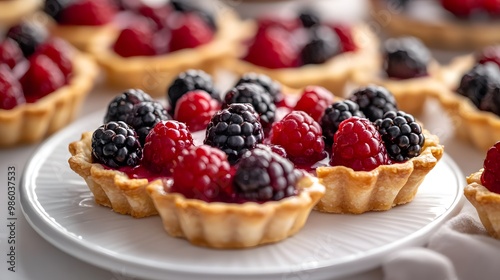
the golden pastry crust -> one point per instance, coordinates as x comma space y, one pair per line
333, 74
410, 94
32, 122
481, 128
13, 11
356, 192
230, 225
487, 203
111, 188
452, 35
153, 74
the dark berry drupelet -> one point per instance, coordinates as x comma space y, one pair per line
271, 86
54, 7
28, 36
188, 81
121, 106
402, 135
262, 176
476, 83
145, 116
405, 58
309, 18
335, 114
256, 96
234, 130
374, 101
323, 44
116, 144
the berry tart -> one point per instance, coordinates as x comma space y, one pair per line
43, 81
253, 197
156, 44
446, 24
470, 96
306, 50
13, 11
407, 69
483, 191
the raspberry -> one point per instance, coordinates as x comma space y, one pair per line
323, 44
11, 92
158, 14
272, 48
405, 58
287, 24
358, 145
145, 116
139, 39
301, 137
476, 83
59, 51
235, 130
43, 77
314, 101
461, 8
344, 33
335, 114
196, 108
262, 176
491, 173
491, 6
28, 36
188, 30
374, 101
402, 135
271, 86
188, 81
116, 144
88, 12
256, 96
10, 53
204, 173
164, 144
121, 106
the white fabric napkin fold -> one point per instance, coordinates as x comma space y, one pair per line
460, 250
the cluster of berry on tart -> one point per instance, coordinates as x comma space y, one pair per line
38, 73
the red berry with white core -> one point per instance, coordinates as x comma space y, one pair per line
11, 91
314, 101
188, 31
301, 137
196, 108
203, 172
42, 77
10, 53
491, 173
163, 145
357, 144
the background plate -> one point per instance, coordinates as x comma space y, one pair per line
60, 207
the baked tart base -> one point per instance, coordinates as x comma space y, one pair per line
155, 73
32, 122
356, 192
12, 11
487, 203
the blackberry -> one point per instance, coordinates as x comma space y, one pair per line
309, 18
28, 36
491, 101
476, 83
271, 86
235, 130
54, 7
401, 134
188, 81
145, 116
405, 58
335, 114
121, 106
262, 175
323, 44
116, 144
255, 95
374, 101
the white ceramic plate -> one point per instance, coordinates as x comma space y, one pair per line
60, 207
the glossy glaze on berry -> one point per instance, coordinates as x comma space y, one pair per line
374, 101
402, 135
196, 108
314, 100
42, 78
116, 144
358, 145
145, 116
491, 173
335, 114
405, 58
235, 130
